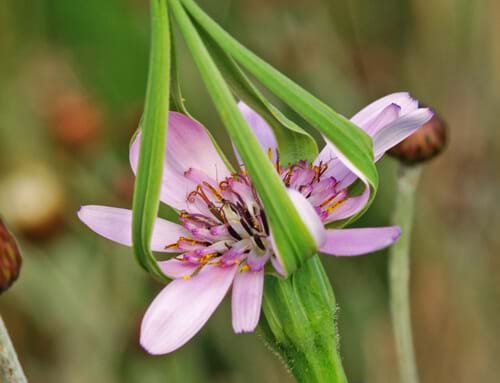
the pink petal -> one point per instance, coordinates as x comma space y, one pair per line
398, 130
116, 224
261, 129
372, 119
385, 117
368, 113
247, 300
349, 207
188, 147
347, 242
388, 120
174, 268
308, 215
182, 308
339, 166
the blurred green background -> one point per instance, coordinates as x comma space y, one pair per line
72, 80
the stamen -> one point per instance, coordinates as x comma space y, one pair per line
278, 166
233, 232
335, 205
206, 257
227, 222
264, 221
214, 191
259, 243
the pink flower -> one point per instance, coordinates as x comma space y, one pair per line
224, 239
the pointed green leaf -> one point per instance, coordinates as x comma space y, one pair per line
153, 142
292, 239
294, 143
351, 141
176, 99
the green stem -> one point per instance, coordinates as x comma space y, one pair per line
399, 273
299, 324
10, 368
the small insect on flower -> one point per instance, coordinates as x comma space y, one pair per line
224, 239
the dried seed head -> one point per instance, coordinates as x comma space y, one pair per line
10, 258
426, 143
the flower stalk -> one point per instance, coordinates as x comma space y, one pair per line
299, 324
399, 272
10, 368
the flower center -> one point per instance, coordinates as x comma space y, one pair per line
226, 221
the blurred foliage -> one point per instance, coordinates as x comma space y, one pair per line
72, 80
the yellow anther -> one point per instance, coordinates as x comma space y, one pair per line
327, 201
245, 268
172, 245
206, 257
214, 191
186, 277
270, 153
334, 206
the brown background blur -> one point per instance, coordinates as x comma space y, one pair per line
72, 80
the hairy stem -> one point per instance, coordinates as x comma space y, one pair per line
299, 324
399, 273
10, 368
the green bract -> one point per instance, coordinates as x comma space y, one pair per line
219, 68
300, 324
292, 239
293, 142
153, 141
351, 141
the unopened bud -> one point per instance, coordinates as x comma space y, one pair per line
10, 258
426, 143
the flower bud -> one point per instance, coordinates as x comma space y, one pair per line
426, 143
10, 258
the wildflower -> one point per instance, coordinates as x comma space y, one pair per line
223, 238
